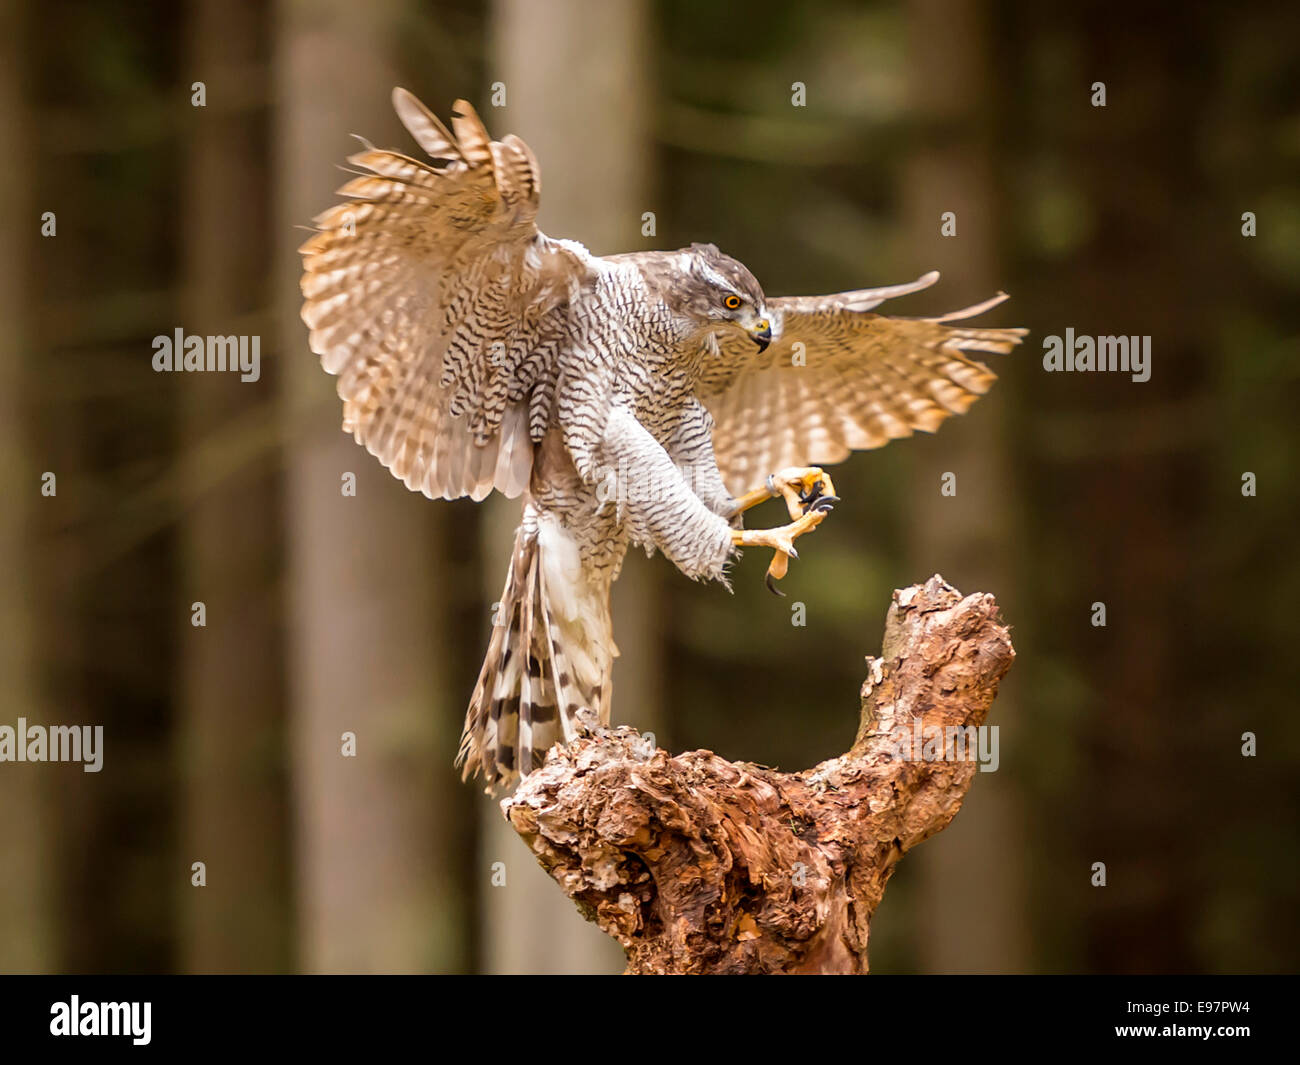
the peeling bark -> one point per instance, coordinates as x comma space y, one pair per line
700, 865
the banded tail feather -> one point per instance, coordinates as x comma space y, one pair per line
548, 662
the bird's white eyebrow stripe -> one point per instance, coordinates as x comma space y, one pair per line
716, 278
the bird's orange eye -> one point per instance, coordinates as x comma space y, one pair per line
731, 302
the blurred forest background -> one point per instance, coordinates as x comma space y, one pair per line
1119, 744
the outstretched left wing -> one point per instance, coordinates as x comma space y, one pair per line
436, 300
839, 378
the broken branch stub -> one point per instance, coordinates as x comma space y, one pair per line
700, 865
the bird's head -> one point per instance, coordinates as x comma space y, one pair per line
721, 294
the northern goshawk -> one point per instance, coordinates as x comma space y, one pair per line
648, 398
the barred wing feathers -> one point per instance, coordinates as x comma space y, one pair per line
438, 303
856, 380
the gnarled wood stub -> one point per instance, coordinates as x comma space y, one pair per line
700, 865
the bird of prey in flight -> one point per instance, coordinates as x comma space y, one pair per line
648, 398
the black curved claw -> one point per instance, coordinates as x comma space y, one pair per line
767, 579
826, 503
812, 494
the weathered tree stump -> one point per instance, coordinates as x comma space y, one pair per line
700, 865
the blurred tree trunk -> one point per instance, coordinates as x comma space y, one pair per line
1140, 165
975, 867
26, 933
364, 577
576, 83
230, 708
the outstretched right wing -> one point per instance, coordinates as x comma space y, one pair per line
439, 304
840, 378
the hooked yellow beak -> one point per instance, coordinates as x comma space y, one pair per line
761, 333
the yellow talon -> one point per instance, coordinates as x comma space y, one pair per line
781, 540
802, 486
799, 486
